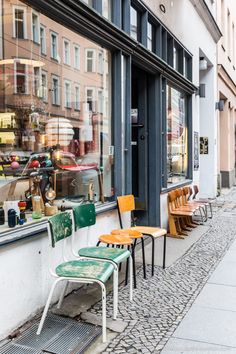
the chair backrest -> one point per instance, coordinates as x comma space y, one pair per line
196, 190
84, 215
126, 203
60, 227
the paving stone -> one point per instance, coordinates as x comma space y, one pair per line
162, 301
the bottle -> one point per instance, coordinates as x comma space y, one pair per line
11, 218
2, 216
37, 212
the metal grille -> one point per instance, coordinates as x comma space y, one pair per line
59, 336
15, 349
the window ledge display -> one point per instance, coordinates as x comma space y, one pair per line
32, 227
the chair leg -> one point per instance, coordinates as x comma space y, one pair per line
164, 253
127, 268
62, 295
98, 243
115, 292
144, 263
134, 270
45, 311
153, 254
131, 278
104, 319
210, 211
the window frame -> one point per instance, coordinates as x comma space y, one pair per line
52, 33
25, 75
76, 46
43, 50
67, 103
58, 99
87, 88
93, 60
35, 40
44, 89
66, 54
77, 102
24, 8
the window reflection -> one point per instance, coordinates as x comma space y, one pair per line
133, 23
55, 110
177, 152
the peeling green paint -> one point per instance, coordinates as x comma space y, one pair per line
114, 254
85, 269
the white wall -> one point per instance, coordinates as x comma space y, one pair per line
25, 279
182, 19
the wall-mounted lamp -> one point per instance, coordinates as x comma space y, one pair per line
202, 63
201, 91
220, 105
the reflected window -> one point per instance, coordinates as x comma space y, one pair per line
55, 119
149, 36
67, 93
54, 46
90, 60
106, 8
76, 57
77, 97
66, 52
177, 137
55, 90
19, 21
35, 27
133, 23
21, 78
43, 40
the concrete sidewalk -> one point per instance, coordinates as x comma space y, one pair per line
210, 324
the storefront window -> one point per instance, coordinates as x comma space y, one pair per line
133, 23
177, 137
55, 120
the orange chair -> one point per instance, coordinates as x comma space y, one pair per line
126, 203
121, 240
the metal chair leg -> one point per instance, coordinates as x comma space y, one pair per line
127, 269
131, 279
62, 295
45, 311
134, 270
153, 254
164, 252
115, 292
104, 320
144, 263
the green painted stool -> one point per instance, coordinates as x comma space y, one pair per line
84, 216
60, 228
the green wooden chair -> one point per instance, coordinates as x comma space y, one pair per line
84, 216
60, 228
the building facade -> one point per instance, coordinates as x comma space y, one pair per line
226, 17
98, 99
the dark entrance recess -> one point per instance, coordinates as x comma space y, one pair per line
139, 122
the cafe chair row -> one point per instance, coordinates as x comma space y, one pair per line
181, 210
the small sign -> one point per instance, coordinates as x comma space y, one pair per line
196, 152
203, 145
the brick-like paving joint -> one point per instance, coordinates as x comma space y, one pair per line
161, 301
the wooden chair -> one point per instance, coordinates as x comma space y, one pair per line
126, 203
85, 216
60, 228
175, 215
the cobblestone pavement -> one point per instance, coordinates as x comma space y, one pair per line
161, 301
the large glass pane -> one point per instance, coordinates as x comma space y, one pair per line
133, 23
55, 120
106, 8
177, 136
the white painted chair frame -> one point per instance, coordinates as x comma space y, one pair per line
81, 281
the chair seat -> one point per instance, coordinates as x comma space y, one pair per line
128, 232
119, 240
148, 230
113, 254
85, 269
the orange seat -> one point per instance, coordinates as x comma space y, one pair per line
126, 203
